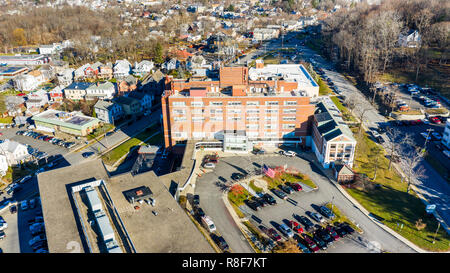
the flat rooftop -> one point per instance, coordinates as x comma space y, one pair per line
72, 118
171, 231
288, 72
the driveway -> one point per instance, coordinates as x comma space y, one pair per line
213, 206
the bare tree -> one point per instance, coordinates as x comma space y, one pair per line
411, 167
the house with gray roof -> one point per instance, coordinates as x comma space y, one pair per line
14, 152
108, 112
105, 90
332, 141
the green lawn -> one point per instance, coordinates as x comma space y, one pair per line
237, 195
392, 204
6, 120
3, 96
255, 188
106, 127
112, 156
341, 217
287, 177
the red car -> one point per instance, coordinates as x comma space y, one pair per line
296, 187
274, 234
435, 120
21, 94
296, 227
47, 138
419, 121
311, 243
332, 232
1, 134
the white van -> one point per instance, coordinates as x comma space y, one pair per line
208, 223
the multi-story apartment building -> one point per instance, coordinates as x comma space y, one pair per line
266, 111
332, 141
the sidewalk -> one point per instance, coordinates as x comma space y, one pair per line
328, 174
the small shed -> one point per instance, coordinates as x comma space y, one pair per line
343, 173
137, 194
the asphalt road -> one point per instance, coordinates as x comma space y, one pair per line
213, 206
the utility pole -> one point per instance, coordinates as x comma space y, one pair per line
434, 238
426, 140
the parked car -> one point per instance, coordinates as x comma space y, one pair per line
3, 223
332, 232
24, 205
209, 165
342, 232
286, 230
220, 241
32, 204
279, 194
39, 245
237, 176
36, 239
303, 248
294, 186
327, 212
13, 209
436, 135
199, 211
326, 237
311, 244
435, 120
25, 179
286, 189
196, 200
87, 154
289, 153
315, 216
320, 243
254, 205
259, 152
269, 198
274, 235
305, 221
296, 227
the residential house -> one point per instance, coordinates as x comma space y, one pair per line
14, 152
264, 34
153, 83
65, 78
14, 105
93, 70
105, 90
37, 99
76, 91
106, 71
131, 106
108, 112
122, 68
30, 81
48, 72
56, 94
411, 38
145, 99
143, 68
79, 73
127, 85
171, 64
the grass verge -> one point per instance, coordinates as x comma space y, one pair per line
342, 218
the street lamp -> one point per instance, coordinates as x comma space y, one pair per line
434, 238
426, 139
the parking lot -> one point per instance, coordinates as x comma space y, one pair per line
207, 187
18, 232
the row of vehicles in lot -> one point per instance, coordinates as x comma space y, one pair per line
38, 241
47, 138
310, 237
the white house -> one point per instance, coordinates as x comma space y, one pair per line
65, 78
37, 99
143, 68
102, 91
409, 39
122, 68
14, 151
171, 64
79, 72
262, 34
29, 81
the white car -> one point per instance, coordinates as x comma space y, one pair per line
375, 133
289, 153
3, 224
425, 135
209, 165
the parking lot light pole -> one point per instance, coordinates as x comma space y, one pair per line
426, 140
434, 238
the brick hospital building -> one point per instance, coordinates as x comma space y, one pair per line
265, 105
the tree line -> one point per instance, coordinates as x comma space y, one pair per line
365, 38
